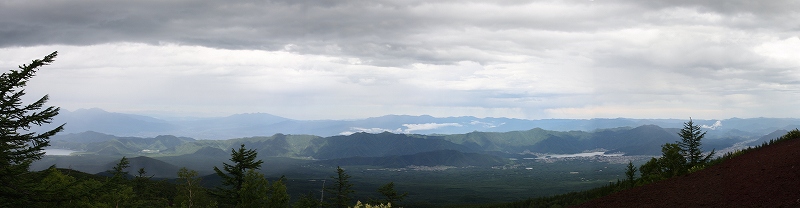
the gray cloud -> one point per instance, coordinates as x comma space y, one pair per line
378, 32
519, 58
761, 8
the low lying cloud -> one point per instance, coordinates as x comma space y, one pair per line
427, 126
712, 127
486, 124
409, 128
368, 130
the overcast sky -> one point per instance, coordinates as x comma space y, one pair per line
356, 59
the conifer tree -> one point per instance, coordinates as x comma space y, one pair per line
390, 194
307, 200
19, 146
672, 162
118, 189
234, 175
254, 192
278, 195
650, 171
341, 190
119, 169
630, 173
143, 187
691, 135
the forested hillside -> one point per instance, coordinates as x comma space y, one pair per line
765, 177
633, 141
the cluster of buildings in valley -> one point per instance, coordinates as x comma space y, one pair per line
600, 157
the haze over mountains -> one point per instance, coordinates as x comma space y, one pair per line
263, 124
387, 141
380, 149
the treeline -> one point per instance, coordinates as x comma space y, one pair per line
676, 160
243, 187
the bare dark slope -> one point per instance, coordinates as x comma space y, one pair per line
766, 177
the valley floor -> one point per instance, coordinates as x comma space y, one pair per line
436, 187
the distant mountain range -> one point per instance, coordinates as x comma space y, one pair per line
310, 149
642, 140
388, 141
384, 149
262, 124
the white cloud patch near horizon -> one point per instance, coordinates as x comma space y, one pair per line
409, 128
713, 126
427, 126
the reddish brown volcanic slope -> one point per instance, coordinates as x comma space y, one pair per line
767, 177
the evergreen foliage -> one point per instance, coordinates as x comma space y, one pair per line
234, 176
120, 193
630, 173
673, 163
254, 192
360, 205
62, 190
341, 190
670, 164
651, 171
307, 200
691, 136
679, 158
390, 194
190, 193
257, 192
119, 169
19, 146
141, 185
279, 197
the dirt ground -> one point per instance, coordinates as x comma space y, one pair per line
767, 177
